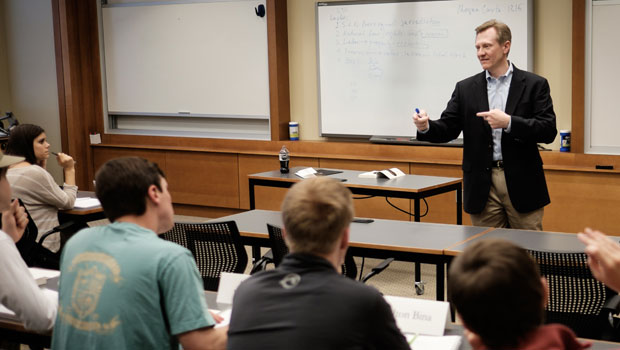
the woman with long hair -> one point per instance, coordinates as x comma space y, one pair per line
36, 187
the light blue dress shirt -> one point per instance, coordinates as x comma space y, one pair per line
497, 91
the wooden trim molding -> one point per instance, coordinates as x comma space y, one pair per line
79, 80
279, 96
578, 79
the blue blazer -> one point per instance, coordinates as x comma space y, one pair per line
533, 121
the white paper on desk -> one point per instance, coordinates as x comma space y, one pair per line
42, 275
86, 202
387, 173
306, 173
419, 316
228, 285
423, 342
392, 173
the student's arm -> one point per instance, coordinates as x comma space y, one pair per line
14, 221
603, 257
204, 338
43, 187
20, 293
68, 166
190, 320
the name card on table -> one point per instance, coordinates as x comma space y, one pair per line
228, 284
419, 316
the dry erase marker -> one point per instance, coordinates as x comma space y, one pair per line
417, 111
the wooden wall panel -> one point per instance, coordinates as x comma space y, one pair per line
207, 179
76, 41
267, 198
581, 200
279, 94
204, 212
376, 207
102, 155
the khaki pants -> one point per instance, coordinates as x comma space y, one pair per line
499, 211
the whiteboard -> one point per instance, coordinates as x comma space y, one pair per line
379, 61
602, 119
186, 58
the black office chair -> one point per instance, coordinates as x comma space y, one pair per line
32, 251
217, 248
576, 298
349, 268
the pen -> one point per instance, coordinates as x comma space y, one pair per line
56, 154
417, 111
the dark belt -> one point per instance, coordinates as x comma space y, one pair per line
498, 164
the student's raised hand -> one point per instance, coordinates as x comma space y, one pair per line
65, 161
420, 119
496, 118
14, 221
603, 257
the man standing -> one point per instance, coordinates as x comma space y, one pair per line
503, 113
121, 286
305, 303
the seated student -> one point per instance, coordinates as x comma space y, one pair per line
18, 290
305, 303
121, 286
500, 296
36, 187
603, 257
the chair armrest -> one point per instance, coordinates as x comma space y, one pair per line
378, 269
261, 264
611, 308
58, 228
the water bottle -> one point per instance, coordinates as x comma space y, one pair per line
284, 158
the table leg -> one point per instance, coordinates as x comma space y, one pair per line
417, 273
252, 199
255, 253
416, 209
440, 268
459, 205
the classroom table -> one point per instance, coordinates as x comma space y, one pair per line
413, 187
401, 240
533, 240
14, 331
82, 215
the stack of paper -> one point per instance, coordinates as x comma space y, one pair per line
446, 342
42, 275
387, 173
306, 173
86, 202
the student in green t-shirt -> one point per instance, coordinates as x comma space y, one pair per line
121, 286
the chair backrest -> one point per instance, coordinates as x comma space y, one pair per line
349, 268
28, 241
279, 250
575, 296
278, 246
33, 252
217, 248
